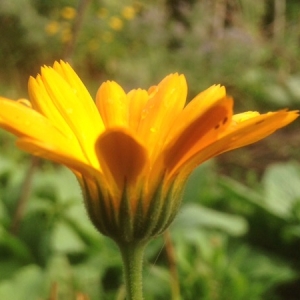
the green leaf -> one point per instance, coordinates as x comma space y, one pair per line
277, 94
61, 180
60, 271
282, 189
202, 184
194, 215
14, 246
6, 164
235, 189
4, 217
293, 85
28, 283
66, 240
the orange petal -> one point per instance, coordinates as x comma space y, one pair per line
166, 101
121, 156
195, 108
112, 104
137, 100
239, 135
203, 131
252, 129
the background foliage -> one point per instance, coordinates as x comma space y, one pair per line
237, 235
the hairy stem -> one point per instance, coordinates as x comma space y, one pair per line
132, 256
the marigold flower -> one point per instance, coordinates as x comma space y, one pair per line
68, 13
128, 12
131, 152
52, 28
116, 23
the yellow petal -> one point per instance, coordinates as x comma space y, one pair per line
112, 104
22, 120
136, 101
42, 102
25, 122
60, 155
165, 103
85, 125
121, 156
66, 71
238, 118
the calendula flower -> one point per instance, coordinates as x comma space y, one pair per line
52, 28
131, 152
128, 12
68, 13
116, 23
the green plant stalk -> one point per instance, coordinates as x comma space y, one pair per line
132, 256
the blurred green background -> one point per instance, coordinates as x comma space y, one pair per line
237, 235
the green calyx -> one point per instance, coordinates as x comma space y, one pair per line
127, 226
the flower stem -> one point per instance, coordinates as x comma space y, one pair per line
132, 256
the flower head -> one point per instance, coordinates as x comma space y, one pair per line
68, 13
131, 152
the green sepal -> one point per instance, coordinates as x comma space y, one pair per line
98, 215
123, 224
125, 218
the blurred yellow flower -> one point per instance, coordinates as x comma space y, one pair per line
68, 13
128, 12
131, 152
116, 23
52, 28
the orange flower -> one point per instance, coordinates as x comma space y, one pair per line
131, 152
